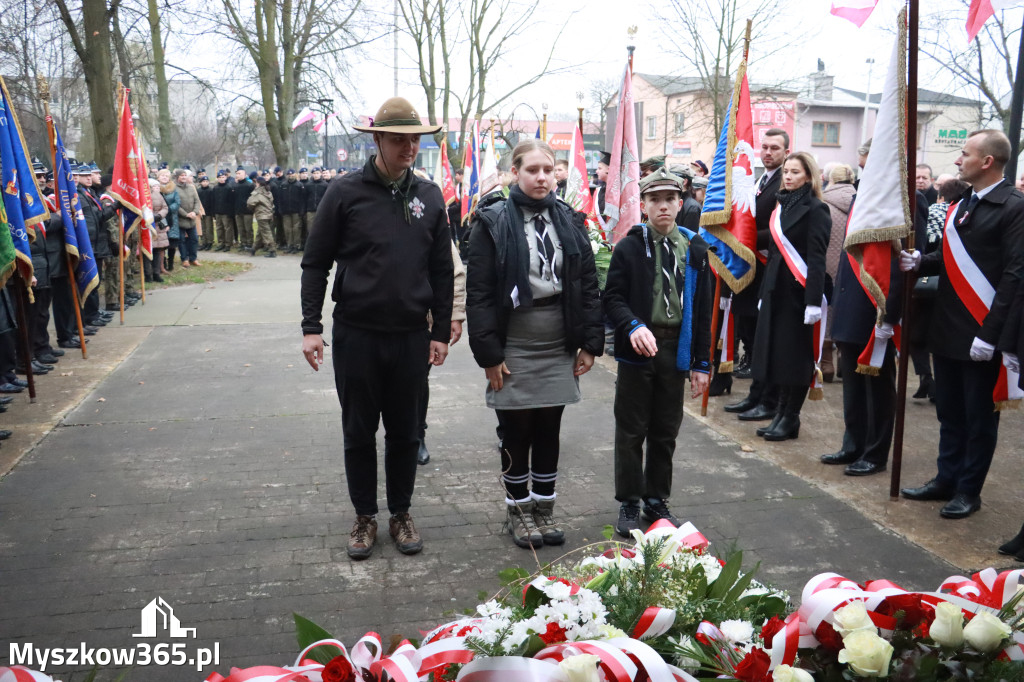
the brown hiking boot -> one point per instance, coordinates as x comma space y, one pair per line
521, 527
407, 538
544, 519
360, 540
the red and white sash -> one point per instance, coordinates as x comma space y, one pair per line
798, 267
976, 293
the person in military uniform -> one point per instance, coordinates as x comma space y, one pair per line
261, 203
243, 218
275, 189
315, 189
205, 192
224, 210
292, 204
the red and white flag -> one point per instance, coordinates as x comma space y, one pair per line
622, 196
981, 11
577, 188
304, 115
880, 216
443, 175
130, 183
856, 11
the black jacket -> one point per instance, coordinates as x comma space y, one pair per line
314, 194
994, 238
292, 195
689, 216
223, 199
242, 191
94, 222
391, 271
487, 311
629, 296
206, 199
745, 302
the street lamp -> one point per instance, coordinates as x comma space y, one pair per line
867, 103
326, 105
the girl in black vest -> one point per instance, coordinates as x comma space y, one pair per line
535, 326
785, 342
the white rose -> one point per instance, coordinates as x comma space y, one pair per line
853, 618
866, 653
948, 627
581, 668
737, 630
986, 632
786, 673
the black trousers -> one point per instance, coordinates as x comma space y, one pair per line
380, 376
968, 422
648, 408
39, 320
869, 405
424, 403
63, 309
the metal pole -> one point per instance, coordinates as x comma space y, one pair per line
714, 340
1016, 106
908, 277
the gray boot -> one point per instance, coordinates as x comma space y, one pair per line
521, 526
543, 517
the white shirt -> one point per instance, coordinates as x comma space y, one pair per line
540, 287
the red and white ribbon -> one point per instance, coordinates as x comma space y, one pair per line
19, 673
654, 622
505, 668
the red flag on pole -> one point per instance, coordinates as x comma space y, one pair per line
622, 196
130, 185
577, 188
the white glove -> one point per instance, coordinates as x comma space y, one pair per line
812, 314
981, 351
910, 260
723, 302
758, 304
883, 332
1012, 362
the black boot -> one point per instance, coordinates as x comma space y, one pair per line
791, 401
788, 427
1014, 546
774, 424
720, 385
926, 388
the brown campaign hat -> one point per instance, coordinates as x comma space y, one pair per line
397, 115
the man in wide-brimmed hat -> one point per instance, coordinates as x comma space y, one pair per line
388, 232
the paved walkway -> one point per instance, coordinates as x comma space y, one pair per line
197, 459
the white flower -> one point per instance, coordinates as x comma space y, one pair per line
866, 653
711, 565
852, 618
948, 627
786, 673
580, 668
737, 630
986, 632
606, 631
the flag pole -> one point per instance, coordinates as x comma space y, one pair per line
908, 277
714, 341
44, 94
142, 267
120, 221
26, 349
1016, 107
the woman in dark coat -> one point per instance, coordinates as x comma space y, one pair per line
785, 343
535, 327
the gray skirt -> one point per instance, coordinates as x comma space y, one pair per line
541, 367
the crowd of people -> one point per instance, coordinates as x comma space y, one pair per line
538, 304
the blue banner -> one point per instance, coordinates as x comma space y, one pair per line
76, 234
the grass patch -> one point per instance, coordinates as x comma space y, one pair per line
207, 271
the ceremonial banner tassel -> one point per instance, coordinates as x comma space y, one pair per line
881, 214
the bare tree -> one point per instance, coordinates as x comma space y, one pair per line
711, 33
288, 41
464, 42
602, 94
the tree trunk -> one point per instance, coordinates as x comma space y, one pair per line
98, 67
164, 148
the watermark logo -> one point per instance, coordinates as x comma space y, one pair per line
159, 615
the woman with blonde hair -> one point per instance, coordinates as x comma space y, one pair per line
535, 326
791, 293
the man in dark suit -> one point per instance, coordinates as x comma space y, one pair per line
983, 248
762, 400
926, 183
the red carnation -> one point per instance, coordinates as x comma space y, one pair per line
754, 666
553, 634
338, 670
771, 628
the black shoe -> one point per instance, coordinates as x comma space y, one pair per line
720, 384
742, 370
20, 383
961, 506
40, 367
656, 510
6, 400
89, 331
47, 359
926, 388
252, 252
112, 308
839, 458
629, 519
5, 434
11, 388
758, 413
96, 322
761, 430
56, 352
73, 342
787, 428
157, 278
272, 254
742, 406
423, 455
1014, 546
3, 408
862, 467
932, 490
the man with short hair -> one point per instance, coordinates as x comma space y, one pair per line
205, 192
224, 210
980, 267
293, 206
243, 216
925, 182
387, 230
561, 177
658, 297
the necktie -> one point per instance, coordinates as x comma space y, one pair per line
671, 275
971, 203
545, 249
763, 182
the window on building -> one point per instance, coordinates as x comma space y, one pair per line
680, 124
652, 127
825, 134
